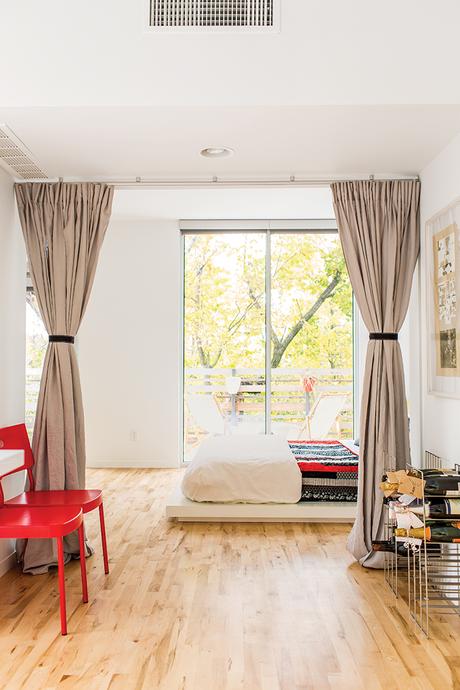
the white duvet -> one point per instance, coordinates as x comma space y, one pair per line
243, 469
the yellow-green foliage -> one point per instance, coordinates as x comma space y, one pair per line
225, 301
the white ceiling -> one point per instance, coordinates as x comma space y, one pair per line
344, 88
327, 52
274, 141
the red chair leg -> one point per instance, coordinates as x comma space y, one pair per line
84, 582
60, 549
104, 539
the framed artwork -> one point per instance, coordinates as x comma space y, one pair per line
443, 291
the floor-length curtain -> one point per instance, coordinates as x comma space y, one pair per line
64, 227
379, 230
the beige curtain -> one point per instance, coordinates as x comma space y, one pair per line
379, 229
64, 227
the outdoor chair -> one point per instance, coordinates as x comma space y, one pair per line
324, 414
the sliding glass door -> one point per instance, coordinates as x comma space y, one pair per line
311, 381
36, 345
267, 336
224, 335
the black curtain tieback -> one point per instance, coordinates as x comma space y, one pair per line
62, 339
383, 336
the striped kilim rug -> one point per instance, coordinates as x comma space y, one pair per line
329, 470
324, 454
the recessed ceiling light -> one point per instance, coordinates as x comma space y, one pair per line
217, 152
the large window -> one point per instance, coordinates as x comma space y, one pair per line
268, 336
36, 344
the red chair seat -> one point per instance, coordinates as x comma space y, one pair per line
39, 523
16, 437
44, 523
47, 514
87, 499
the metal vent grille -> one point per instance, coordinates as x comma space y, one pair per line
212, 14
16, 158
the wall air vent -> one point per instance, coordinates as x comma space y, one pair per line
214, 15
16, 158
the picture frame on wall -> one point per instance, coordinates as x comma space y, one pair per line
442, 299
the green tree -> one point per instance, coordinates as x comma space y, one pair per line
311, 302
224, 290
225, 301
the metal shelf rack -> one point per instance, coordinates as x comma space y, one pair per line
429, 576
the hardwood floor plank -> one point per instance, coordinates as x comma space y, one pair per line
215, 607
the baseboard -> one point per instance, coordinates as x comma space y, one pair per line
7, 563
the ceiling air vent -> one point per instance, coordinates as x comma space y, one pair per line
213, 15
16, 158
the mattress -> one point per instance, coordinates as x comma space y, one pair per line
329, 469
243, 469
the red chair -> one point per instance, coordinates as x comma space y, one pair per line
47, 523
17, 438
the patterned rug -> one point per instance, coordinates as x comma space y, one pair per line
324, 455
329, 470
329, 493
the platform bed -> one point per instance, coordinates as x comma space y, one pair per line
268, 479
182, 509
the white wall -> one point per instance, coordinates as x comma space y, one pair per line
133, 319
128, 348
410, 346
440, 416
132, 411
12, 322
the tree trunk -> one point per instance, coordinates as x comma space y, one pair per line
280, 345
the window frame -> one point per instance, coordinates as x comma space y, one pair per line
268, 227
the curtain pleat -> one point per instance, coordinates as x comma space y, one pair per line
64, 226
379, 230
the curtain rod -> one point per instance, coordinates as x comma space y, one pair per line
292, 181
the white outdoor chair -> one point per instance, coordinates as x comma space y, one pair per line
324, 414
287, 430
249, 424
206, 413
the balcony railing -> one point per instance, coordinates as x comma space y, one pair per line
291, 404
295, 393
33, 377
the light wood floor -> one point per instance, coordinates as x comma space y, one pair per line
215, 607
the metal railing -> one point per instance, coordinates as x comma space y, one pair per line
291, 402
33, 377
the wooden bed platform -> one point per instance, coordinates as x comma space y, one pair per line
182, 509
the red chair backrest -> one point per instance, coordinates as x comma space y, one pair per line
16, 438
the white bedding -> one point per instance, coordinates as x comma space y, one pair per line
243, 469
